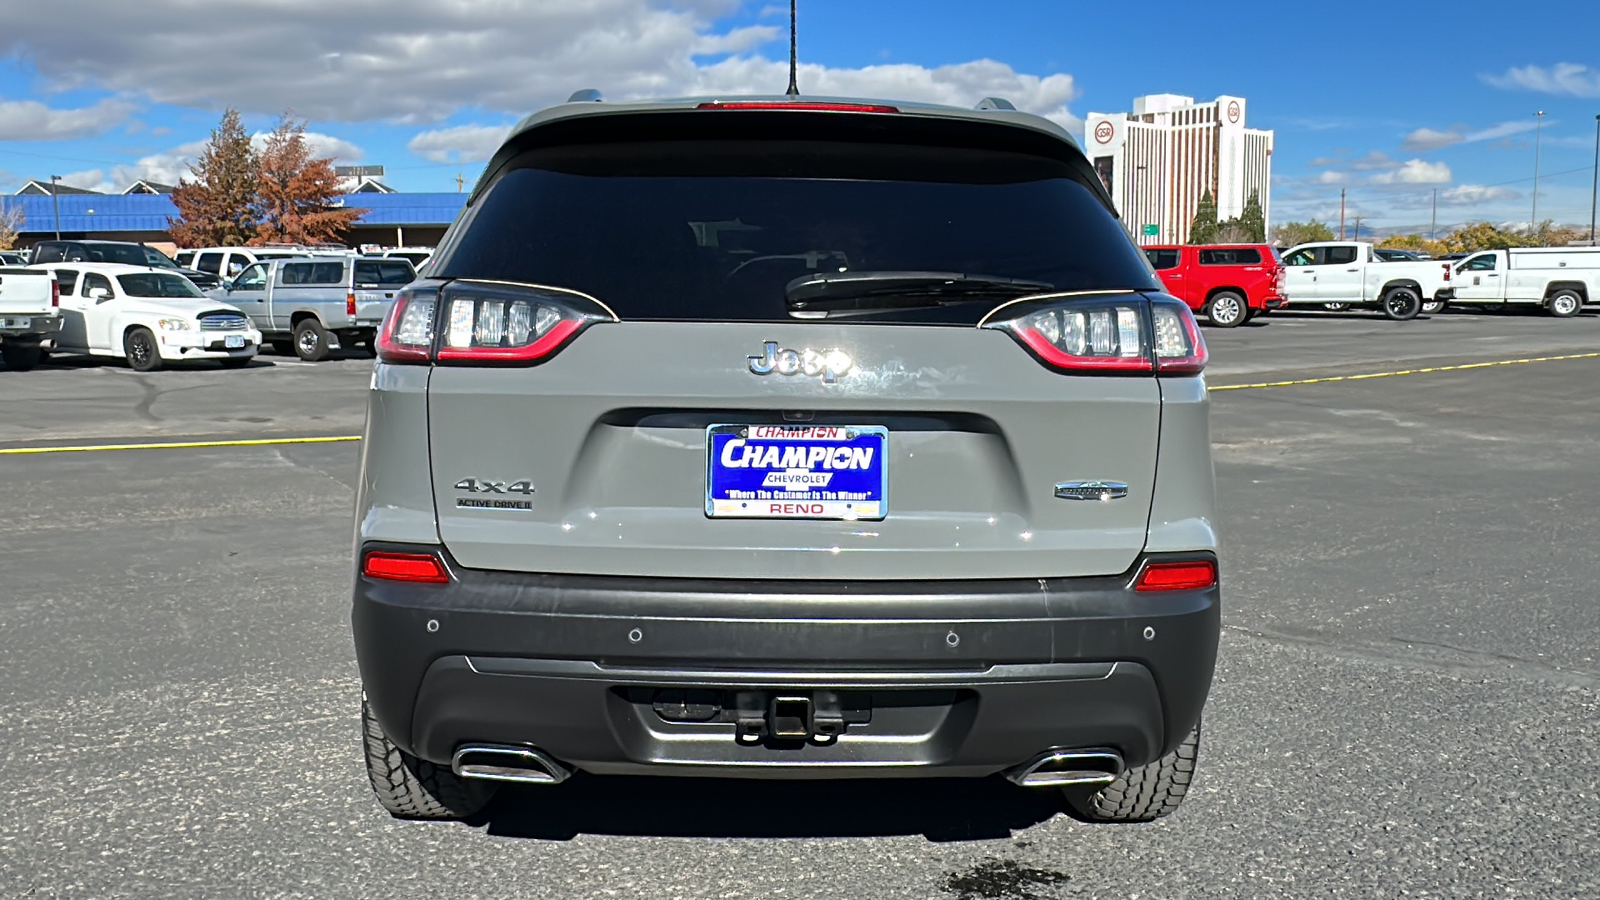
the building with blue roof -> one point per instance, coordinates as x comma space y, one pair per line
393, 219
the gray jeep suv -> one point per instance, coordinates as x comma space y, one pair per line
779, 438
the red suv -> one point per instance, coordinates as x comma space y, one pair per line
1231, 283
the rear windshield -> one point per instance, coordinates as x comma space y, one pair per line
1230, 256
157, 284
388, 273
688, 230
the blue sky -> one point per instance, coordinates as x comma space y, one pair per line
1390, 104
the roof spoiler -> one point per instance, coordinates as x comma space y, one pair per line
996, 103
587, 95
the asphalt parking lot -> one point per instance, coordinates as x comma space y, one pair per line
1407, 701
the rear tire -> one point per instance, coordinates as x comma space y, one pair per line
1145, 794
311, 340
412, 788
21, 356
140, 348
1431, 307
1401, 303
1565, 303
1227, 310
1336, 307
282, 348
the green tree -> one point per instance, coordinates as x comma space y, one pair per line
1203, 230
1475, 236
295, 200
1253, 220
1288, 234
215, 208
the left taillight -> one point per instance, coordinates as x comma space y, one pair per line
477, 323
421, 568
350, 304
55, 293
1119, 334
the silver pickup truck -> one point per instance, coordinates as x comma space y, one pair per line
311, 305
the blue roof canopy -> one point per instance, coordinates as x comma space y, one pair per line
149, 212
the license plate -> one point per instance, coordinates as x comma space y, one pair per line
233, 341
797, 472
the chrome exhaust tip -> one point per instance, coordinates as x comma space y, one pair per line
520, 765
1060, 768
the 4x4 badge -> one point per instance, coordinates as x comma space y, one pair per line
830, 364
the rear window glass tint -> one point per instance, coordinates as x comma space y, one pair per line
692, 230
156, 284
1339, 256
68, 280
312, 273
1230, 256
389, 273
1162, 259
209, 262
49, 254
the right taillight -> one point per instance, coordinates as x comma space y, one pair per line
480, 323
1192, 575
55, 293
1125, 334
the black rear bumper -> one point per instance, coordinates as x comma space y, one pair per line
959, 677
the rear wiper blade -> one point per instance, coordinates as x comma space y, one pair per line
846, 293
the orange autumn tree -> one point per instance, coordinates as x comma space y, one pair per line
296, 193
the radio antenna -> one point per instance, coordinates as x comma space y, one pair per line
794, 58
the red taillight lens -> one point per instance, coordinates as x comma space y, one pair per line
1127, 334
1447, 271
424, 568
350, 304
55, 293
483, 323
406, 335
800, 105
491, 323
1177, 576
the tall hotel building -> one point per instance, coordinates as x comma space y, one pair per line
1159, 160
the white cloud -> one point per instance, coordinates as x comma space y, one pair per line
1504, 129
461, 144
1424, 139
417, 60
172, 166
90, 179
1416, 171
1332, 177
30, 120
1475, 195
1568, 79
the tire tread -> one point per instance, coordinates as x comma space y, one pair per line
1148, 792
412, 788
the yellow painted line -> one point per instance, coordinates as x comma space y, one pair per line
181, 445
1368, 375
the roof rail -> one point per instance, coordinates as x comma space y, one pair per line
996, 103
587, 95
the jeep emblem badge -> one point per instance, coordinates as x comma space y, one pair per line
830, 364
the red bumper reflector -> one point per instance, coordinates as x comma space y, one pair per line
1177, 576
420, 567
801, 105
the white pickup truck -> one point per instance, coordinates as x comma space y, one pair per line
1341, 274
1560, 279
30, 314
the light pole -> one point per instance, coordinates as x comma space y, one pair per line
55, 201
1538, 131
1594, 192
